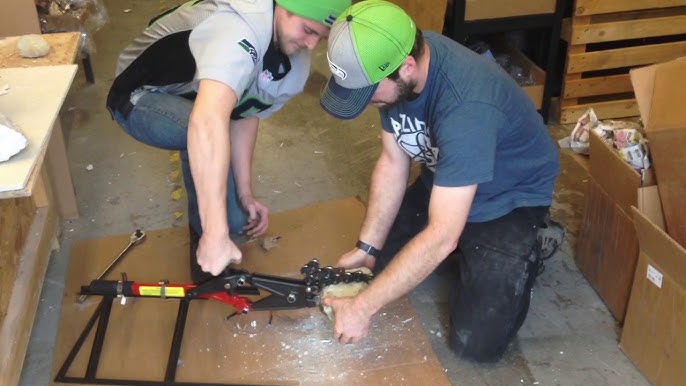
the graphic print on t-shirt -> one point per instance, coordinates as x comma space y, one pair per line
249, 48
413, 137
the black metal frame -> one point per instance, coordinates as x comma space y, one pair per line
101, 316
230, 288
552, 21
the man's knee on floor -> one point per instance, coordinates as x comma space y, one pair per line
479, 346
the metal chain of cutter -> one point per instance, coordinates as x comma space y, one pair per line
234, 285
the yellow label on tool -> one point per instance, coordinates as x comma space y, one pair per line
170, 292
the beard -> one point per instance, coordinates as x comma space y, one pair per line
403, 94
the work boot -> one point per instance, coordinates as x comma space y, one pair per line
197, 274
551, 234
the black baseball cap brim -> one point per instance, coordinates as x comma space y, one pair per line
345, 103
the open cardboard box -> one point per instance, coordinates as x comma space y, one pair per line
654, 337
616, 176
607, 247
660, 94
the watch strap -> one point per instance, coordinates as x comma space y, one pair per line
369, 249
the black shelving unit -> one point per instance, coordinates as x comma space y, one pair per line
547, 47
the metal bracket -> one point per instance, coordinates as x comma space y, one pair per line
101, 316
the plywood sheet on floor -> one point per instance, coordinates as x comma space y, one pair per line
297, 347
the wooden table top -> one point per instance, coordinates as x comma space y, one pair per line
63, 49
33, 99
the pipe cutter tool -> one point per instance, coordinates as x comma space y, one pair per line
233, 287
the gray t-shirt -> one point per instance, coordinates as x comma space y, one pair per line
472, 124
222, 40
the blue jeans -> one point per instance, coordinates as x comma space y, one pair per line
161, 120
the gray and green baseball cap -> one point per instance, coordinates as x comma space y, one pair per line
322, 11
367, 43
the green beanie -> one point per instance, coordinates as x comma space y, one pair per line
321, 11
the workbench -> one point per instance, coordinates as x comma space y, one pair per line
36, 188
63, 50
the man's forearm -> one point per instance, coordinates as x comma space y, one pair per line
420, 256
448, 212
243, 137
208, 151
386, 191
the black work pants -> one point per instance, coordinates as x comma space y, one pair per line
496, 266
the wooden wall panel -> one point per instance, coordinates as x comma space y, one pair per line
18, 17
428, 14
16, 215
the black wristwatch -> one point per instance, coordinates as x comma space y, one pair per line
370, 250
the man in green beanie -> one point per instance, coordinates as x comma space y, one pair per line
198, 79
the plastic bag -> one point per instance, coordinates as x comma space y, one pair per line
516, 71
504, 61
85, 16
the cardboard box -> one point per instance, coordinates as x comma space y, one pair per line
493, 9
654, 337
534, 91
616, 176
660, 94
607, 247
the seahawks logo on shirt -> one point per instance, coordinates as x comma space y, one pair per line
249, 48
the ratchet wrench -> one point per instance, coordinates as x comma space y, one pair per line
135, 238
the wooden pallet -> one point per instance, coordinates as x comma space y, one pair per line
606, 38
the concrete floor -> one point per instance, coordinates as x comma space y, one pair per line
304, 156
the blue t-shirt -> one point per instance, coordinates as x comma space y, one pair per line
472, 124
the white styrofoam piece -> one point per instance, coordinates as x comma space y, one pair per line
11, 141
32, 103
